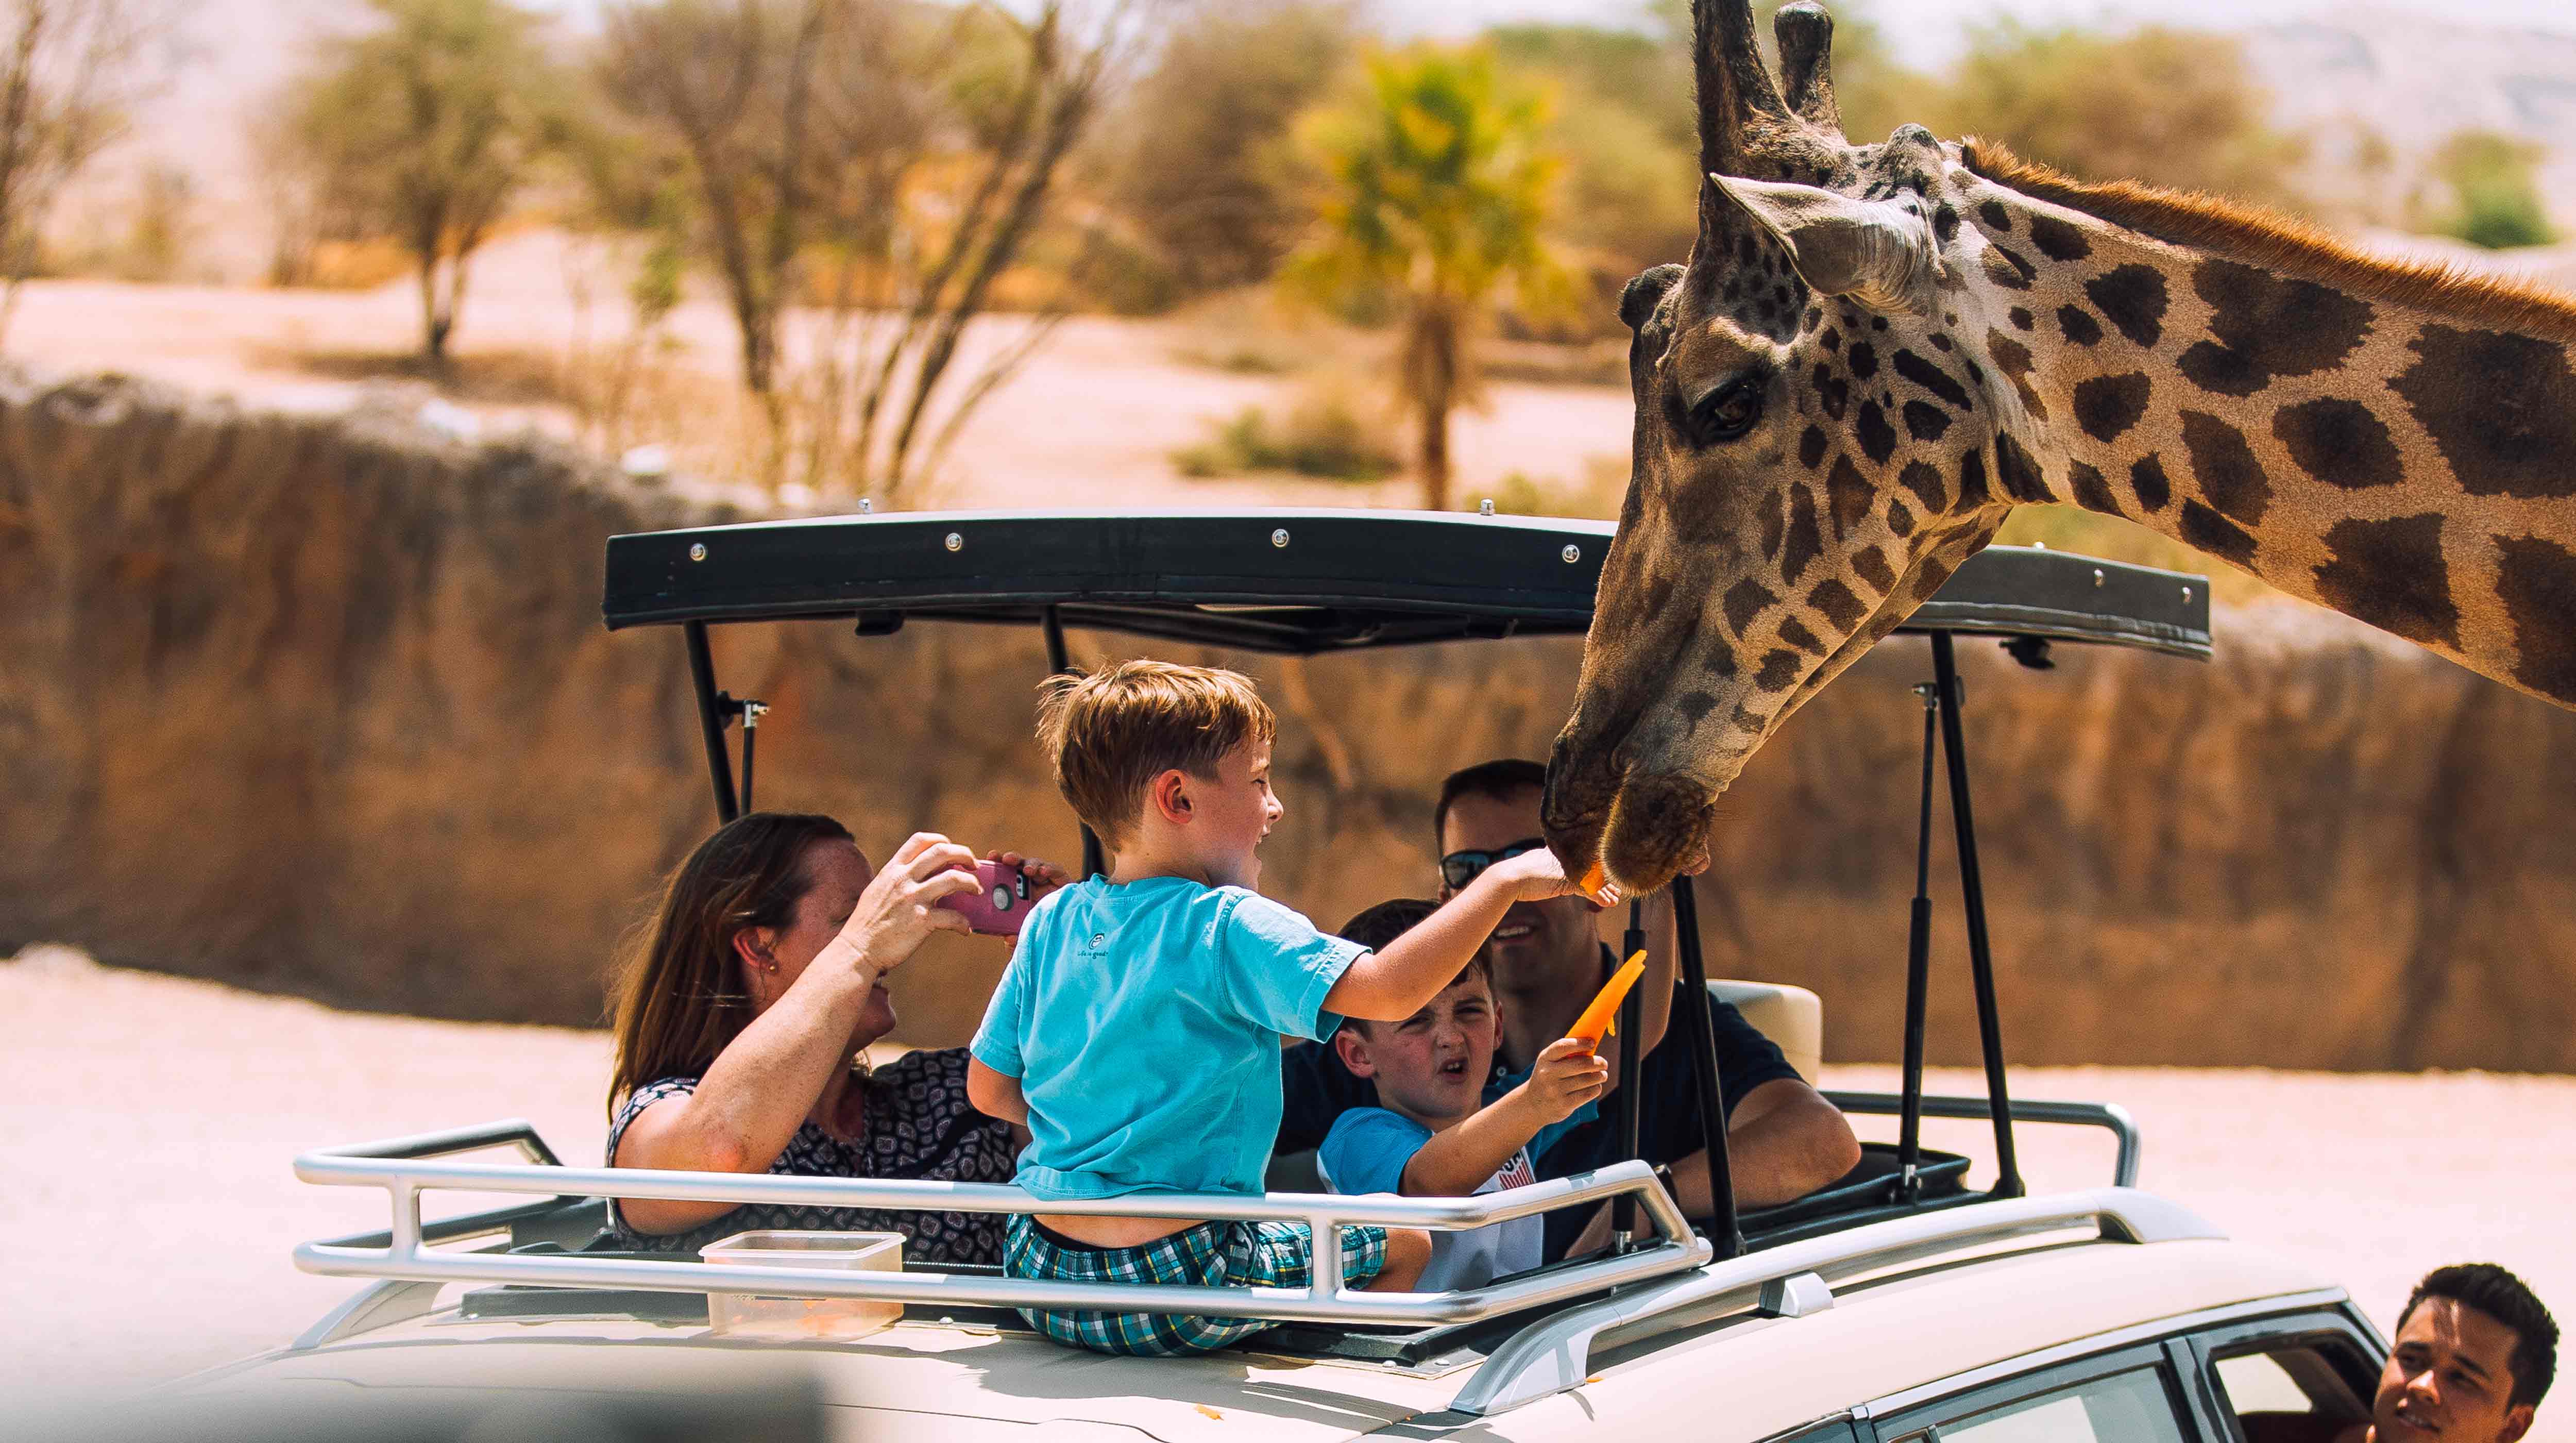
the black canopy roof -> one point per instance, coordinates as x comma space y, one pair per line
1287, 580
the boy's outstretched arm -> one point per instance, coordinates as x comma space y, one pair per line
995, 1094
1392, 983
1457, 1162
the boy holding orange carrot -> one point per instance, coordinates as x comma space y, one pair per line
1438, 1131
1136, 1030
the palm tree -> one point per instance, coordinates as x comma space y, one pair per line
1436, 193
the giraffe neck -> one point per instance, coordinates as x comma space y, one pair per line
2345, 435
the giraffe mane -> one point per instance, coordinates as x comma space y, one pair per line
2274, 241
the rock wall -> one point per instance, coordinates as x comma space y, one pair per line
324, 706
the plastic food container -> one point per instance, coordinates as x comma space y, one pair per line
754, 1315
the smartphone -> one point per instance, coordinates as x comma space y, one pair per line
999, 905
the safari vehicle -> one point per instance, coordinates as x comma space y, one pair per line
1897, 1304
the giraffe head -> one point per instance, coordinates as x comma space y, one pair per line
1826, 405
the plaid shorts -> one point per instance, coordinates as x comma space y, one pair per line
1208, 1255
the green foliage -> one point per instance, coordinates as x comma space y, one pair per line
2496, 193
1641, 72
1436, 188
1628, 142
426, 127
1200, 140
1326, 434
2167, 107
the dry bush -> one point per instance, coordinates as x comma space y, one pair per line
1329, 432
353, 265
1199, 143
1593, 497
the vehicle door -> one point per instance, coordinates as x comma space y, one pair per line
2126, 1395
2304, 1377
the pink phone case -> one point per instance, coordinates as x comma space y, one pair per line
1000, 907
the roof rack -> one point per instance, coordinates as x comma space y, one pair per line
1793, 1280
407, 1167
1657, 1289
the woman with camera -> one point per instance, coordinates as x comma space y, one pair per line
742, 1024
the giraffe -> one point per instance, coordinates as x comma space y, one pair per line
1875, 352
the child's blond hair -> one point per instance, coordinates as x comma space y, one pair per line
1109, 733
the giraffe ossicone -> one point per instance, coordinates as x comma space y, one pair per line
1875, 352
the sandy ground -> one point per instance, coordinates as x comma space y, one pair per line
149, 1210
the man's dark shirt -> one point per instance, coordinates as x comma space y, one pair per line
1319, 1088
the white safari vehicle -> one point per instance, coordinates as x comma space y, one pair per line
1897, 1304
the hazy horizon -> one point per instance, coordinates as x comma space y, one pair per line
1930, 32
1927, 33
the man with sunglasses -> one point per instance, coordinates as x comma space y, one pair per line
1547, 960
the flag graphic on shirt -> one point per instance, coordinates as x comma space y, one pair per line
1516, 1173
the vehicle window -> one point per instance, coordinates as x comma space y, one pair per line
2130, 1407
2257, 1383
2288, 1395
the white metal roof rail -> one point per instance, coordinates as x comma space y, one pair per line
404, 1253
1794, 1279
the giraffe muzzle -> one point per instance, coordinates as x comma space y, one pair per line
1642, 827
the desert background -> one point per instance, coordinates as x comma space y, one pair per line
325, 799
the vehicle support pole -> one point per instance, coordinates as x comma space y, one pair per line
711, 718
1060, 663
1632, 1022
1726, 1233
1918, 969
1981, 960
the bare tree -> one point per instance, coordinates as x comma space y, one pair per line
913, 152
727, 85
70, 72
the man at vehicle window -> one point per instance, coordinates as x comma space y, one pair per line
1783, 1139
2474, 1354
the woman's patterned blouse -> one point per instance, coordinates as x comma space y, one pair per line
918, 1125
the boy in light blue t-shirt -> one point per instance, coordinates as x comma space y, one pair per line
1136, 1031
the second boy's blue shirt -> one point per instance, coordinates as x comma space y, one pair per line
1143, 1022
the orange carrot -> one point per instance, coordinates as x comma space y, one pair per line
1593, 882
1596, 1019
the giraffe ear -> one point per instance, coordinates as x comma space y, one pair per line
1878, 253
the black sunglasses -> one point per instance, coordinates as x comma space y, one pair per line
1459, 868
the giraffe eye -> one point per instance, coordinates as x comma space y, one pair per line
1727, 412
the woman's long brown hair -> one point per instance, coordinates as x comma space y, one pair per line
678, 998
